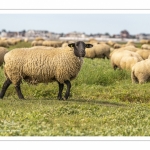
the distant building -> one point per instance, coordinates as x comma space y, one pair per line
12, 34
143, 36
125, 34
76, 34
3, 34
36, 33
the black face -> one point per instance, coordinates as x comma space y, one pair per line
79, 48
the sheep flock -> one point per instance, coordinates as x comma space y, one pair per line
60, 61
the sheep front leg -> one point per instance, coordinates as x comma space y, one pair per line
4, 87
68, 89
61, 86
18, 90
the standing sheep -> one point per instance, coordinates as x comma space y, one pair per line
42, 66
98, 51
117, 55
141, 72
143, 53
3, 51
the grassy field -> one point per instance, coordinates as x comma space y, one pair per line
103, 102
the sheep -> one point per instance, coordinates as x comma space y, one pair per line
3, 51
131, 48
143, 53
98, 51
111, 43
117, 55
128, 61
4, 43
37, 43
140, 72
145, 46
42, 66
130, 43
116, 46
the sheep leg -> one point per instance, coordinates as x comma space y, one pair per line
68, 89
61, 86
4, 87
18, 90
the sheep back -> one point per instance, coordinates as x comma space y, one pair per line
42, 66
141, 72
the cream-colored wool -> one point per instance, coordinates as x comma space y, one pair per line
98, 51
141, 72
3, 51
143, 53
118, 54
116, 46
128, 61
130, 48
145, 46
41, 65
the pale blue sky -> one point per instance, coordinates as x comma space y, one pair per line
87, 23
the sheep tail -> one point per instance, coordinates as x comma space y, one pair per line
133, 77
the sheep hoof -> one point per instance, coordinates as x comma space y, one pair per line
64, 99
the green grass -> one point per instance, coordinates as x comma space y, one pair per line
103, 102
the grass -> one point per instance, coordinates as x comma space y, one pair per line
103, 102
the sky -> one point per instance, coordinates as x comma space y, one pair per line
87, 23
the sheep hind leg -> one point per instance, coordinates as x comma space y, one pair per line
18, 90
67, 82
4, 87
61, 86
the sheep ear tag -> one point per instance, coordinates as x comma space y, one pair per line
71, 45
88, 45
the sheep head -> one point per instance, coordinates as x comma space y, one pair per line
79, 48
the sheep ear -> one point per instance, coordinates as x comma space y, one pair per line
71, 45
88, 45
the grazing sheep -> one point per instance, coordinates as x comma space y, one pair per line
140, 72
130, 48
145, 46
111, 43
4, 43
143, 41
116, 46
143, 53
98, 51
130, 43
117, 55
37, 43
3, 51
42, 66
128, 61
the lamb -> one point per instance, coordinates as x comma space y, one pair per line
3, 51
140, 72
43, 66
117, 55
98, 51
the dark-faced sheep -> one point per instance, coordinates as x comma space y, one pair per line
42, 66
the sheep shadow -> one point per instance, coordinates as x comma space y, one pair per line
104, 103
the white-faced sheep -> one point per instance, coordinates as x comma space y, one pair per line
141, 72
117, 55
42, 66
